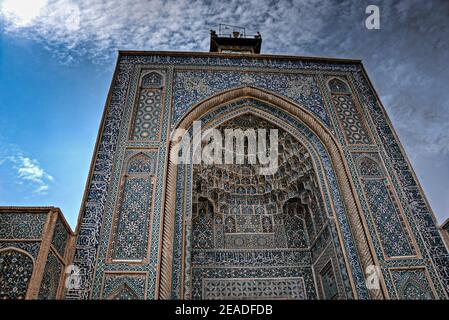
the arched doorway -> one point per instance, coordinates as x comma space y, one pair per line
16, 269
328, 263
252, 234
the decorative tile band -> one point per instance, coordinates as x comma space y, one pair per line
258, 288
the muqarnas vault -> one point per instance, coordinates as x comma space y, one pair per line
343, 217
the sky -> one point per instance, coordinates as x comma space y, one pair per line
57, 59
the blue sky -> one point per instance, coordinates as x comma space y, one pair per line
57, 59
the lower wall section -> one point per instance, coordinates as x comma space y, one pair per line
388, 220
253, 283
328, 276
412, 284
16, 268
124, 286
35, 245
259, 288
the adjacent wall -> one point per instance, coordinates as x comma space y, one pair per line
35, 247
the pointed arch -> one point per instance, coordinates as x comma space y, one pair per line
148, 107
333, 148
133, 210
17, 266
123, 292
203, 219
152, 79
18, 250
369, 167
338, 86
139, 163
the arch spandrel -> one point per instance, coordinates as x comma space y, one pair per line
193, 86
238, 93
286, 111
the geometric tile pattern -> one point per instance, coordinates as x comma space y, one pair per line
203, 225
369, 168
131, 231
152, 80
249, 283
51, 277
193, 86
15, 274
130, 238
412, 284
148, 115
248, 289
22, 226
27, 225
387, 220
60, 237
338, 86
350, 119
427, 234
124, 287
148, 109
32, 247
123, 293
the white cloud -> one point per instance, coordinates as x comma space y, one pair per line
97, 28
21, 13
29, 171
406, 58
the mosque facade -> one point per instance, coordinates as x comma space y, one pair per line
343, 216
